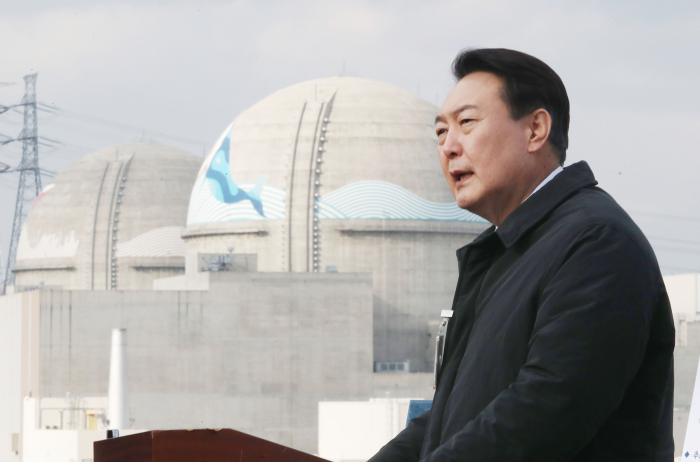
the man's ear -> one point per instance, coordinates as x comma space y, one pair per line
540, 126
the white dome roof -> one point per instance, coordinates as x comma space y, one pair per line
370, 146
113, 219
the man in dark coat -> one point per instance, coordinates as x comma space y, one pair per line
560, 342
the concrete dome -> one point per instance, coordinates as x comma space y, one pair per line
340, 173
111, 220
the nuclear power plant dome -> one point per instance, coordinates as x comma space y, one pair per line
339, 174
340, 148
112, 220
365, 150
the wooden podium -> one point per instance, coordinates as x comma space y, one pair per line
223, 445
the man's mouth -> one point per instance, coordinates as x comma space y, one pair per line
461, 176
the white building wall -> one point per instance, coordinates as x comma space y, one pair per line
684, 293
356, 430
10, 365
57, 429
19, 366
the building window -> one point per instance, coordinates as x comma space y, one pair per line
392, 366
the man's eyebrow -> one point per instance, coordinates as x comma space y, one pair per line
456, 112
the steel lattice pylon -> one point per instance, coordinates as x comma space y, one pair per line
29, 177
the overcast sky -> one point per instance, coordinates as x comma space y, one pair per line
179, 72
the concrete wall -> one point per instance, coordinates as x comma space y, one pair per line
415, 271
257, 352
413, 264
398, 385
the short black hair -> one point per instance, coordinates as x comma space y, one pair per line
528, 85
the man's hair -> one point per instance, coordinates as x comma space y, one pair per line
528, 85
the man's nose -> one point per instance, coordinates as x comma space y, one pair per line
452, 147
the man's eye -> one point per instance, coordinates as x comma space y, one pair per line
465, 121
440, 131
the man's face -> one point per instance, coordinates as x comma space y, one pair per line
481, 148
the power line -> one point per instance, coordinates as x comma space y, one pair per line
6, 140
68, 125
119, 125
56, 112
4, 109
49, 139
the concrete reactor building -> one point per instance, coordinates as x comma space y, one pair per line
305, 262
111, 220
341, 174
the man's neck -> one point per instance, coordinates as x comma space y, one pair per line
540, 179
554, 173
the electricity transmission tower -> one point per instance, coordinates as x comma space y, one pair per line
29, 175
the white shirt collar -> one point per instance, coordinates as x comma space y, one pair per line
556, 172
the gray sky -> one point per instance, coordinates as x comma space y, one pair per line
179, 72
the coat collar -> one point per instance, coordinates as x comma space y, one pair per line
534, 209
574, 177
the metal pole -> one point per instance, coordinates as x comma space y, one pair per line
118, 412
29, 178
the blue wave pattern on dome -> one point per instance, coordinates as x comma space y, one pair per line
222, 185
378, 200
206, 208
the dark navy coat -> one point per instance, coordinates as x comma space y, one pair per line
561, 344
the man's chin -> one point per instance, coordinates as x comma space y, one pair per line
465, 202
470, 205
